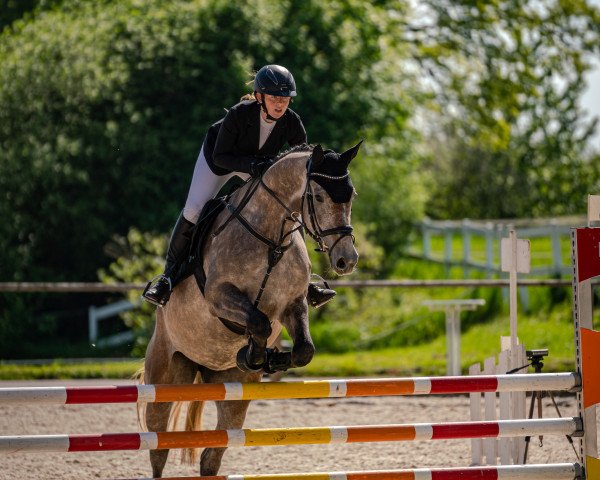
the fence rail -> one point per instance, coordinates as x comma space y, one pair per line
557, 230
95, 287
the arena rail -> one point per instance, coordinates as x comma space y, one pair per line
95, 287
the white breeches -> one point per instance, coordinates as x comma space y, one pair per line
205, 185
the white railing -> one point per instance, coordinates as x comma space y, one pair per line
97, 314
558, 230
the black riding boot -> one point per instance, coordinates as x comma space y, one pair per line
318, 296
177, 253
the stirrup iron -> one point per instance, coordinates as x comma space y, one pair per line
161, 302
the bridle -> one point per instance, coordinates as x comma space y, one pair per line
279, 247
317, 233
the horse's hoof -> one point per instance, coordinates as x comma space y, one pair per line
277, 361
242, 361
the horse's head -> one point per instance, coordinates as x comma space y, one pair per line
328, 206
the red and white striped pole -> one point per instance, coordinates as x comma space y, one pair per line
303, 389
289, 436
559, 471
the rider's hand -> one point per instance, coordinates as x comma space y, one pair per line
259, 166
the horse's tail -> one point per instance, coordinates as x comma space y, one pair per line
193, 419
193, 422
141, 407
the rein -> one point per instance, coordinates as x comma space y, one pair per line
278, 248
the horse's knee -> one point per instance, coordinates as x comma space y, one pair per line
302, 354
258, 324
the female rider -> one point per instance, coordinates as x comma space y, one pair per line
244, 141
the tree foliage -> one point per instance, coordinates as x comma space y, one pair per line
104, 106
468, 108
507, 77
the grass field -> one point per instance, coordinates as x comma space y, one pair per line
403, 352
479, 342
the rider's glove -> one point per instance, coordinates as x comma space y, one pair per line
259, 166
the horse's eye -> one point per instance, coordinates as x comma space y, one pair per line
319, 198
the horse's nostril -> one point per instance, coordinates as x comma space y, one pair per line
341, 263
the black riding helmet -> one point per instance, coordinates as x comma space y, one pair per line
275, 80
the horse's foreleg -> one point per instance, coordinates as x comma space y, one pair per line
295, 320
230, 414
228, 302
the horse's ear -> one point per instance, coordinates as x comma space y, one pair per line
349, 154
317, 155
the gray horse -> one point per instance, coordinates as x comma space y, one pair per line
260, 232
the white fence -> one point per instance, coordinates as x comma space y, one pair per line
97, 314
557, 230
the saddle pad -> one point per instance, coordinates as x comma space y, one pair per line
202, 230
210, 212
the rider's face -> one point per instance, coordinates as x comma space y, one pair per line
275, 105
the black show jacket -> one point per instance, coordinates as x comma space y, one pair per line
231, 144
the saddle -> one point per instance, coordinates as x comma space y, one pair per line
202, 230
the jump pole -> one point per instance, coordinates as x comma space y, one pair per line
302, 389
585, 253
289, 436
558, 471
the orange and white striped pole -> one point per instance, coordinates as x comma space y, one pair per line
559, 471
288, 436
303, 389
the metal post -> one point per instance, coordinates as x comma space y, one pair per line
448, 248
489, 248
453, 355
466, 234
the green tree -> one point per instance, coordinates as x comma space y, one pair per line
104, 105
137, 257
12, 10
506, 78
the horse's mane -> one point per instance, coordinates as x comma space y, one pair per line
303, 147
